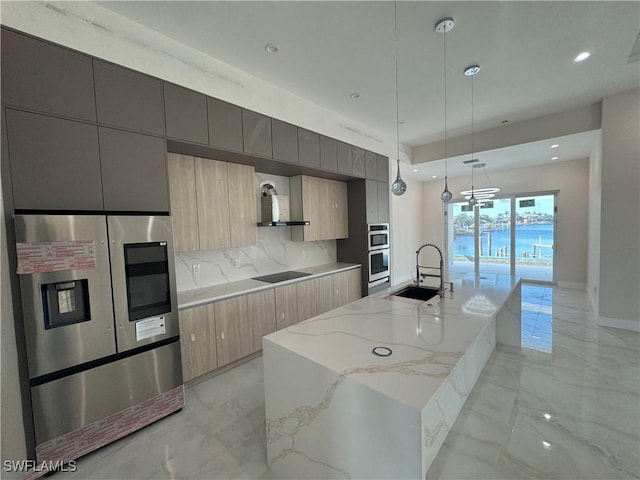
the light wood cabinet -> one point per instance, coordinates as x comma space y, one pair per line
241, 322
242, 205
212, 203
315, 296
182, 198
286, 298
346, 287
197, 341
323, 203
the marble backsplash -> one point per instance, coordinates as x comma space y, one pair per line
274, 252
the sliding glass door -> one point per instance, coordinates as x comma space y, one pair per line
535, 237
510, 235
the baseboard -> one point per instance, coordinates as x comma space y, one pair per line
574, 285
633, 325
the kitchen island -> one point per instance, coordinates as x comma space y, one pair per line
334, 409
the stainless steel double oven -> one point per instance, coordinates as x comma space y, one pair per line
378, 245
100, 312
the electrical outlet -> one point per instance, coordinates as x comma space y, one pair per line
236, 262
195, 268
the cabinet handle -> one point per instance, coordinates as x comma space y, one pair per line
222, 335
283, 315
193, 337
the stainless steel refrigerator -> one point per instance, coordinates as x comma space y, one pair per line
101, 323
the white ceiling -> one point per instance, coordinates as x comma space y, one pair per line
330, 49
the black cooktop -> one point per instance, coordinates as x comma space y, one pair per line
281, 277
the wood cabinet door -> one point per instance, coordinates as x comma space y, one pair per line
359, 169
340, 289
345, 160
125, 159
371, 165
198, 341
261, 313
285, 141
182, 197
241, 322
55, 163
311, 201
342, 209
233, 340
327, 208
185, 114
225, 125
256, 134
307, 298
308, 148
383, 202
128, 99
383, 168
213, 204
328, 154
47, 78
371, 194
242, 205
325, 293
286, 298
354, 284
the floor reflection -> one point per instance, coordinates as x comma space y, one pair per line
537, 312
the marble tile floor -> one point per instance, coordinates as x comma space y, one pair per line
570, 412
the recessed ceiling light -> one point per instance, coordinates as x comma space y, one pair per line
415, 169
582, 56
354, 95
479, 165
401, 122
555, 145
504, 121
473, 160
270, 48
434, 176
554, 158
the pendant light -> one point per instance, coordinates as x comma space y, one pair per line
399, 186
472, 71
443, 26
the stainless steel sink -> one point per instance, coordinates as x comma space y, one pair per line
416, 293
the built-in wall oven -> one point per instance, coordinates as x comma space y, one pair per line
378, 236
378, 255
378, 266
101, 320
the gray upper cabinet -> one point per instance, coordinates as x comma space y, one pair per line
371, 194
47, 78
383, 168
383, 202
256, 134
285, 141
185, 114
357, 155
225, 125
371, 165
345, 161
55, 163
126, 158
308, 148
128, 99
328, 154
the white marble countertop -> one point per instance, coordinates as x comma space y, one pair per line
427, 338
214, 293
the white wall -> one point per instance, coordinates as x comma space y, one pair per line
595, 196
407, 218
571, 178
619, 301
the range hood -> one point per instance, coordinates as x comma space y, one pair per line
284, 224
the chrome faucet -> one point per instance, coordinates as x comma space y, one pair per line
420, 276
